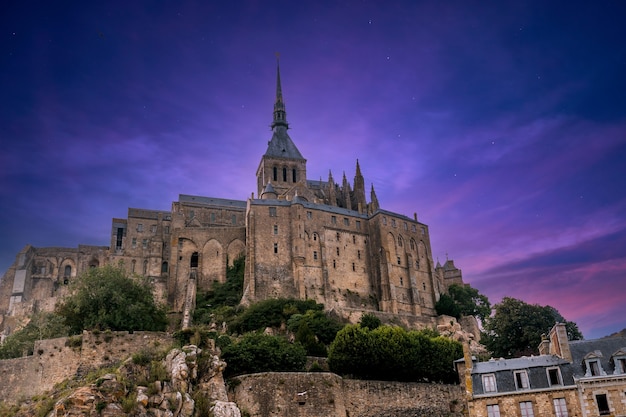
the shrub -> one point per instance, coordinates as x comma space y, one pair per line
272, 313
392, 353
263, 353
106, 298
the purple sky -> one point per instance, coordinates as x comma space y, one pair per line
502, 126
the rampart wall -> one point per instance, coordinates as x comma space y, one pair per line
55, 360
279, 394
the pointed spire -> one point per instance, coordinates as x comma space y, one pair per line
374, 204
359, 189
280, 114
332, 192
346, 192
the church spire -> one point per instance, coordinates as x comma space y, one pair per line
359, 189
374, 205
280, 114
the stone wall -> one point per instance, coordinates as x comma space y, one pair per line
326, 394
55, 360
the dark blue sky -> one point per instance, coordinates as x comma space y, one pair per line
503, 125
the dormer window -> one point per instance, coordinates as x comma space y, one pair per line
554, 376
593, 366
619, 361
521, 380
489, 383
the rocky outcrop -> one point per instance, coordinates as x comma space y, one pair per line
177, 385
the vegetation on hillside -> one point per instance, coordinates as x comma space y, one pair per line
106, 298
257, 352
463, 300
393, 353
41, 326
516, 328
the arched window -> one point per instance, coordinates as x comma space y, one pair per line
68, 271
400, 241
145, 267
133, 266
293, 174
164, 267
285, 174
275, 176
194, 260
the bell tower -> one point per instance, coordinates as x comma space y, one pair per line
282, 165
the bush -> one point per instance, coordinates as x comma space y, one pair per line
370, 321
41, 326
228, 294
392, 353
105, 298
262, 353
272, 313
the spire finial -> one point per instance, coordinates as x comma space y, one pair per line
280, 114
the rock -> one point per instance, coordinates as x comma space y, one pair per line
142, 396
188, 406
225, 409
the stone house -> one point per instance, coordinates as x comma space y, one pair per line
568, 379
301, 238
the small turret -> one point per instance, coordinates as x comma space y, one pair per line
374, 204
332, 190
347, 194
359, 189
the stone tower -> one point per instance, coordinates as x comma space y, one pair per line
282, 165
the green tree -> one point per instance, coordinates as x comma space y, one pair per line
447, 306
516, 327
106, 298
324, 328
41, 326
211, 304
370, 321
463, 300
392, 353
272, 313
257, 352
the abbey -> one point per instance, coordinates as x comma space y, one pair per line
301, 238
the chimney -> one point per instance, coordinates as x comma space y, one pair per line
559, 344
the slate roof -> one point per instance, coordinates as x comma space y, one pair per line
606, 347
212, 201
524, 362
281, 145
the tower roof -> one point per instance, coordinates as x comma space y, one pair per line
281, 145
280, 114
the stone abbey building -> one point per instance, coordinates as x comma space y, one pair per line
301, 238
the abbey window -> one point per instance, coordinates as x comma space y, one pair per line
275, 174
293, 175
284, 174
